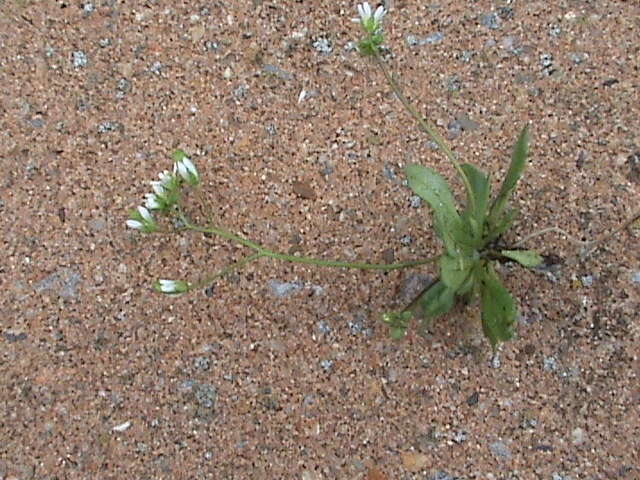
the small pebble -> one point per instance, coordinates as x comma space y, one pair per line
435, 37
122, 427
550, 364
499, 449
587, 280
156, 67
555, 30
490, 21
323, 45
577, 436
326, 365
406, 240
79, 59
283, 289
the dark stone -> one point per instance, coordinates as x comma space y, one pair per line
14, 337
634, 167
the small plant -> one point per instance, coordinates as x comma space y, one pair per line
471, 235
471, 241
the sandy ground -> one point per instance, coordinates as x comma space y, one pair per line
285, 371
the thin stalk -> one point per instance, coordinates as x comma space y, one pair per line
572, 239
424, 125
230, 268
264, 252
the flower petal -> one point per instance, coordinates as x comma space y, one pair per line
135, 224
144, 213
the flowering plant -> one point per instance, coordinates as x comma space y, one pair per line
471, 234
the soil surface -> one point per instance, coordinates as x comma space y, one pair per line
282, 370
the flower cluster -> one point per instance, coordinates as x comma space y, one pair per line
164, 199
166, 193
371, 22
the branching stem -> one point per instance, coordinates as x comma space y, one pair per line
424, 125
264, 252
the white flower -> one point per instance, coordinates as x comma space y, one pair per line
141, 219
153, 202
145, 214
172, 287
159, 188
135, 224
167, 179
187, 170
369, 19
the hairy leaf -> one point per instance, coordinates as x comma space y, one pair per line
454, 270
436, 301
433, 189
498, 308
527, 258
496, 229
518, 162
476, 208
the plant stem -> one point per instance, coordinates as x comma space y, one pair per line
264, 252
606, 236
229, 269
424, 125
524, 240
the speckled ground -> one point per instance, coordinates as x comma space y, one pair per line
102, 378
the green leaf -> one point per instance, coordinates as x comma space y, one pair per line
518, 162
433, 189
498, 308
436, 301
398, 323
480, 189
527, 258
454, 270
502, 225
397, 333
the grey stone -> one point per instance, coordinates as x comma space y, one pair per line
277, 71
324, 328
550, 364
79, 59
406, 240
587, 280
578, 436
435, 37
65, 282
205, 395
411, 40
156, 67
459, 437
490, 20
283, 289
202, 363
326, 365
500, 450
14, 337
323, 45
